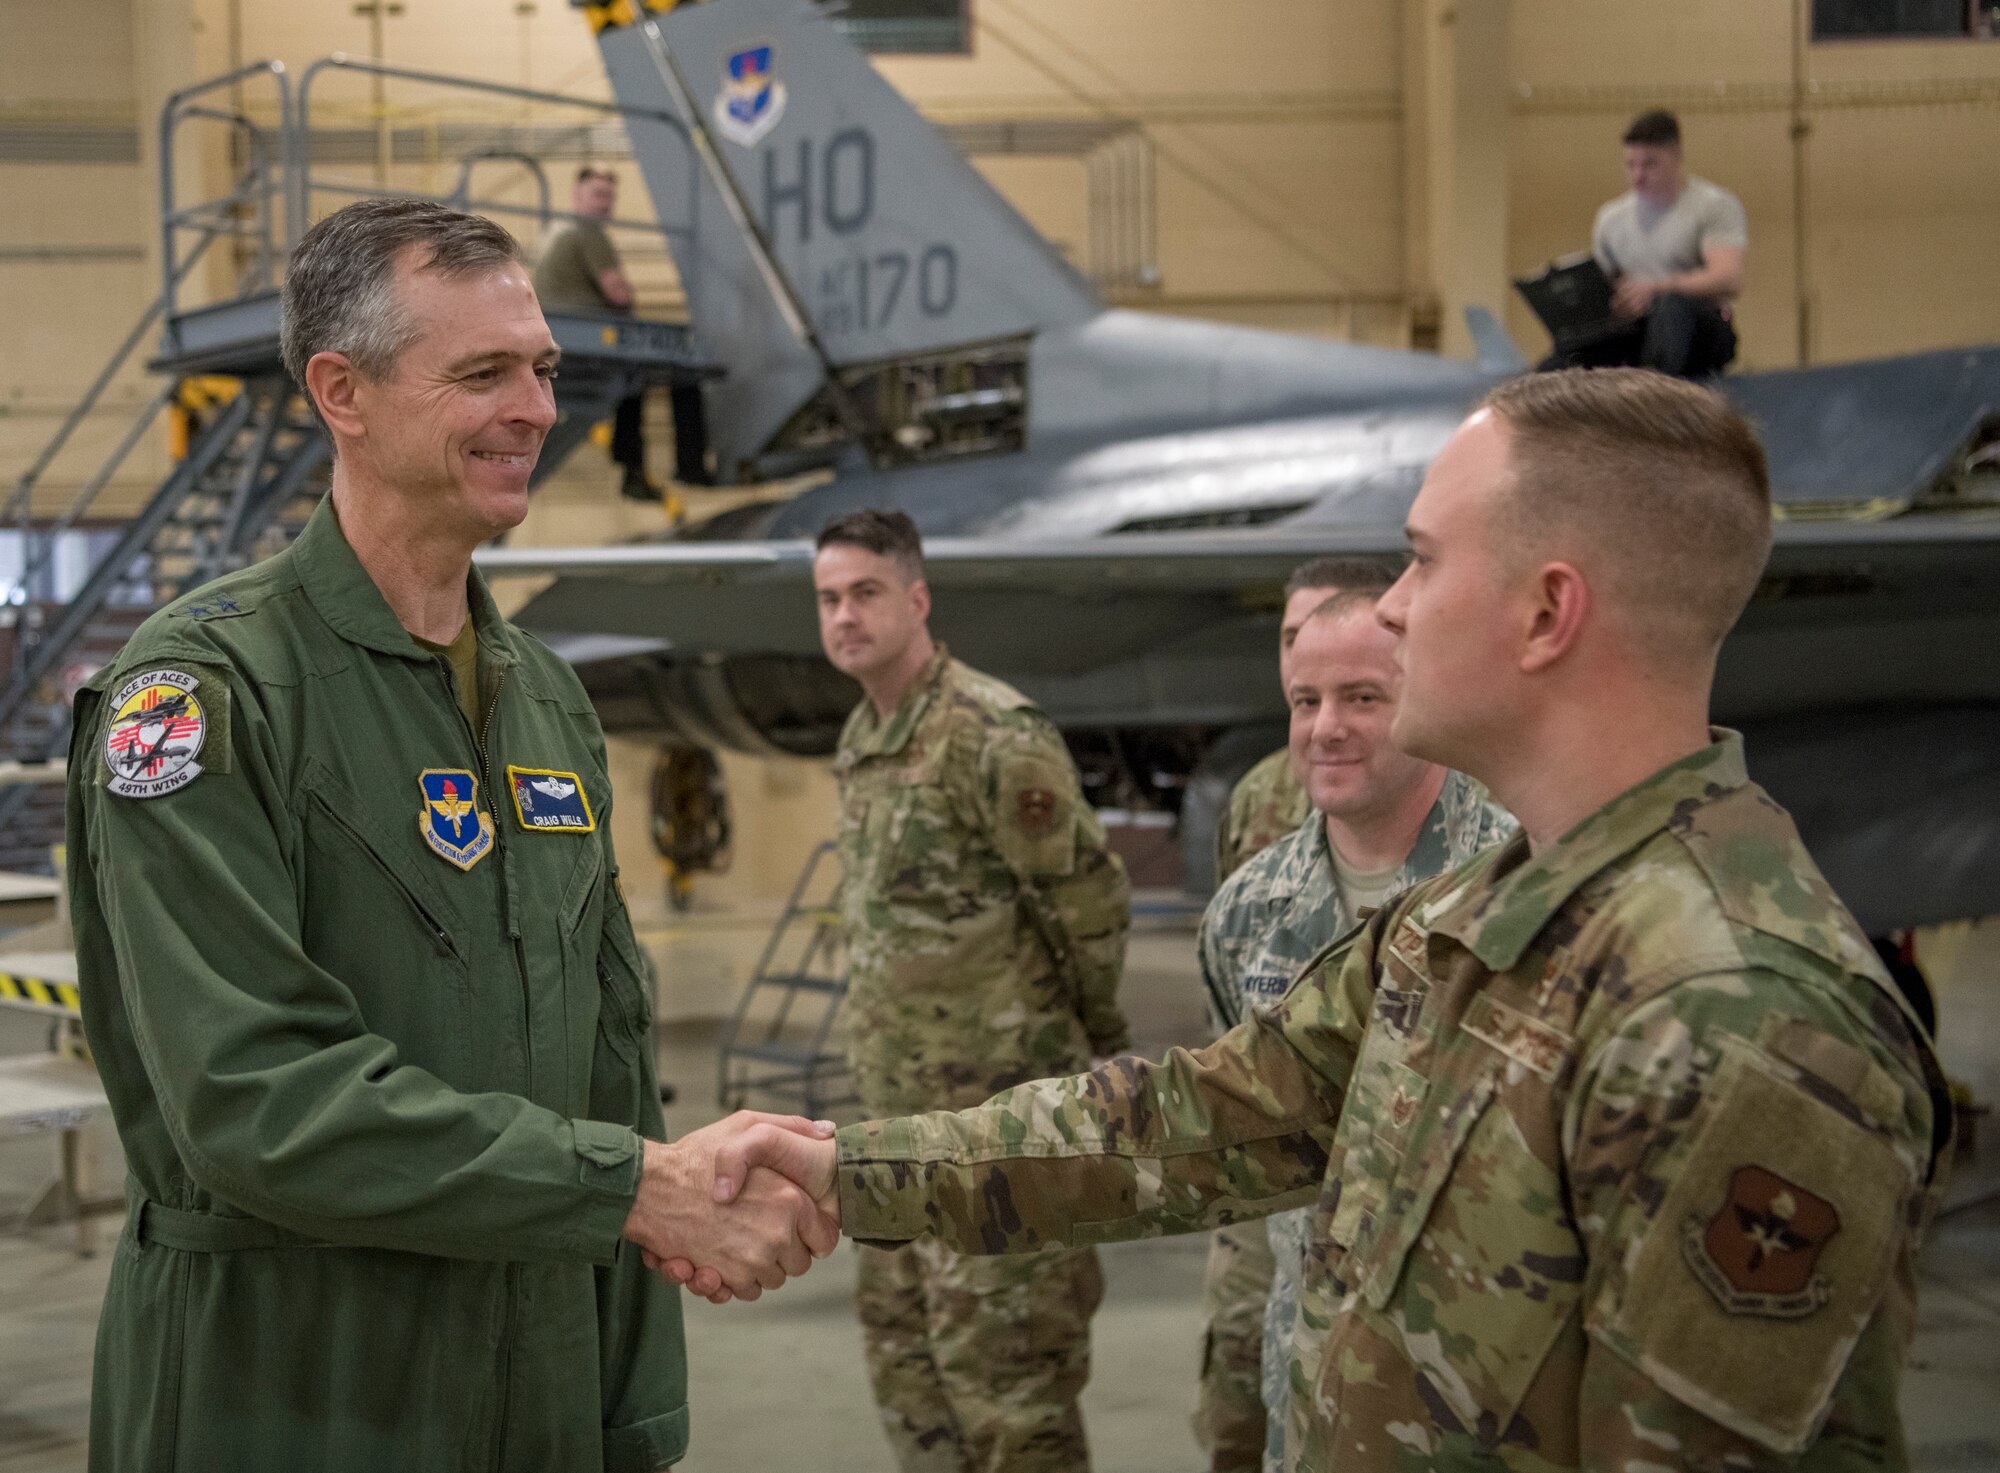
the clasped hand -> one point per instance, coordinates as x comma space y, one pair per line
1631, 296
739, 1206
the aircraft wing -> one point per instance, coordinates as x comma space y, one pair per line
1866, 671
998, 602
1841, 606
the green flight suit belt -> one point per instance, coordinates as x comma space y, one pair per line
208, 1232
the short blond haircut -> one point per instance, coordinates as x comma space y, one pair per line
1658, 484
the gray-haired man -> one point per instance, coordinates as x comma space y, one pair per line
358, 974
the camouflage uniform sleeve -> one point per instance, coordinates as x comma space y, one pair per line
1751, 1170
1132, 1149
1226, 857
1224, 1006
1073, 887
1233, 842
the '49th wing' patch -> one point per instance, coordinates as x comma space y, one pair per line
154, 735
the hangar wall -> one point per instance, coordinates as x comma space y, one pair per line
1351, 168
1288, 144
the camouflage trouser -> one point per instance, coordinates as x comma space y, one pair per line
1229, 1423
977, 1363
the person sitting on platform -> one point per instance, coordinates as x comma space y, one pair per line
577, 269
1673, 246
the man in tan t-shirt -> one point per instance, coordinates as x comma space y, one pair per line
577, 270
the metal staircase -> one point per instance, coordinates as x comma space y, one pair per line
249, 481
253, 463
779, 1042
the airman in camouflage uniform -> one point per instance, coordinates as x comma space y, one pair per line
985, 921
1621, 1149
1622, 1138
985, 917
1267, 803
1263, 927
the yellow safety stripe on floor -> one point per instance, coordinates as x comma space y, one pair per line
37, 993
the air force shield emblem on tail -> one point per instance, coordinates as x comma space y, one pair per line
450, 820
751, 100
157, 727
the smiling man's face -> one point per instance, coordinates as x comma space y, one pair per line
1343, 691
457, 425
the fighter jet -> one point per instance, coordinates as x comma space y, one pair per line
1111, 500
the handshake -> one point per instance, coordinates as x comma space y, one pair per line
739, 1206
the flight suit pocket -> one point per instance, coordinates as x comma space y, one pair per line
624, 1088
1472, 1260
338, 811
405, 965
625, 1010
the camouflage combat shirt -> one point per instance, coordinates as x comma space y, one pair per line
1266, 804
1269, 920
985, 917
1622, 1152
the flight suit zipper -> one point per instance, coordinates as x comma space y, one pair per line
479, 746
510, 1272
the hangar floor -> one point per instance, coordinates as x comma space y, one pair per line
768, 1376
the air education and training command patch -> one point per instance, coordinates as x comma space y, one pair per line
550, 802
1035, 812
450, 820
1757, 1253
156, 731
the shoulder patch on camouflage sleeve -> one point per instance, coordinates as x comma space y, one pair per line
1031, 801
1035, 811
1770, 1251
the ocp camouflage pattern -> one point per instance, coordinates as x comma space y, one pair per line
1232, 1426
1525, 1096
1265, 924
977, 1362
1266, 804
984, 915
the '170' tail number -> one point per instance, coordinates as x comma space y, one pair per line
865, 293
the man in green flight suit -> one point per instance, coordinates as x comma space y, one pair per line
985, 921
1622, 1140
356, 966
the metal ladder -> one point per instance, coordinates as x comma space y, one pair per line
254, 464
764, 1050
250, 479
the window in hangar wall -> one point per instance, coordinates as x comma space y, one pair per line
1854, 20
909, 26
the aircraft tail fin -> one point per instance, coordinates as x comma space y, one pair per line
1496, 351
837, 252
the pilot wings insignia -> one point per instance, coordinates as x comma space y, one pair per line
550, 802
